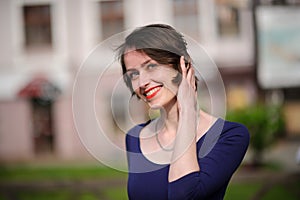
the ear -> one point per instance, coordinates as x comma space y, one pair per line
177, 79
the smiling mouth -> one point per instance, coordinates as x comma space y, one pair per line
150, 93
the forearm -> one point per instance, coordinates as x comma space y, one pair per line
184, 159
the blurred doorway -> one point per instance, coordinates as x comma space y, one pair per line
41, 94
42, 126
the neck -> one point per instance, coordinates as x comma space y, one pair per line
169, 115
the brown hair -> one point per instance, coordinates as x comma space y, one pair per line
161, 43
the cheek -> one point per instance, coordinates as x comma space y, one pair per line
135, 86
172, 87
167, 78
164, 73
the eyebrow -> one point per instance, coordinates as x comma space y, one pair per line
142, 65
146, 62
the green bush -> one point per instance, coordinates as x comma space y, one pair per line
265, 124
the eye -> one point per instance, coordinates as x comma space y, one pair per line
151, 66
132, 74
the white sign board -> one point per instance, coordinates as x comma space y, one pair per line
278, 32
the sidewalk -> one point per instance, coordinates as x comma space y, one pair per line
284, 152
281, 154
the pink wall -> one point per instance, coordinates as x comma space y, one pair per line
67, 143
16, 141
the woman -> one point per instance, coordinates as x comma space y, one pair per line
164, 154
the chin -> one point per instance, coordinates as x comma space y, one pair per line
155, 106
161, 104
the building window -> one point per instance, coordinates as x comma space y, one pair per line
112, 17
186, 17
227, 14
37, 26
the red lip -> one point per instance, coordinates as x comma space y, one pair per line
152, 95
151, 89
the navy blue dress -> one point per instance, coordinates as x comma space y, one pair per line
220, 152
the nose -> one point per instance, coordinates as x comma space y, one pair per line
144, 80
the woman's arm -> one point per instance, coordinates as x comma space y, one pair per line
217, 166
184, 158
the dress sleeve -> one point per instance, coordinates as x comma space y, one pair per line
216, 168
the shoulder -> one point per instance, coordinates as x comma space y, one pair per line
234, 128
222, 128
135, 131
132, 136
224, 135
235, 134
231, 138
228, 133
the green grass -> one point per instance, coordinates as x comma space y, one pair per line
44, 195
288, 190
55, 195
279, 192
26, 174
87, 196
246, 190
119, 193
57, 173
112, 194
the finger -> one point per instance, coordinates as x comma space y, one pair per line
183, 67
193, 79
190, 74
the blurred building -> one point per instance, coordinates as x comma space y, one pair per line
43, 43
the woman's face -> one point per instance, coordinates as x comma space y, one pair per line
150, 80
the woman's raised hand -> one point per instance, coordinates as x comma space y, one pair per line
187, 95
